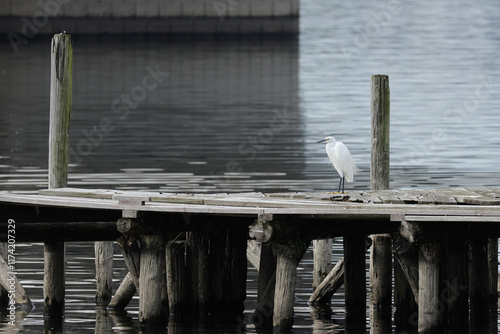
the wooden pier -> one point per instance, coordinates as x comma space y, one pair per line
187, 253
429, 229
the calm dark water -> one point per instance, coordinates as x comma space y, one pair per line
229, 115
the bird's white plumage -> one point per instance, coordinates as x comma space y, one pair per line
341, 158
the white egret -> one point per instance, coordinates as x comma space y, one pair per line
341, 159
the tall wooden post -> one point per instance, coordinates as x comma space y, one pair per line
380, 110
381, 249
60, 111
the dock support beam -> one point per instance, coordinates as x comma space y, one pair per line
381, 283
263, 316
53, 284
355, 282
288, 256
479, 286
60, 112
322, 254
153, 301
428, 289
103, 272
178, 285
197, 261
456, 286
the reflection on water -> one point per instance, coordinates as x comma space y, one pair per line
229, 115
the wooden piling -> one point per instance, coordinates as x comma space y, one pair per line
178, 285
104, 272
153, 300
380, 122
381, 282
493, 271
288, 256
60, 112
197, 252
406, 313
263, 316
228, 272
479, 286
455, 291
53, 283
381, 249
428, 289
322, 257
355, 282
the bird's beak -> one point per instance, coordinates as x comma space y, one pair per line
321, 141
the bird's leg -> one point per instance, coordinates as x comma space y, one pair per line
340, 184
343, 182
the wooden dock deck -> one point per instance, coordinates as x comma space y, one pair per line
420, 222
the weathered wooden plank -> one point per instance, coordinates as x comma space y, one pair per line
77, 192
450, 219
363, 197
389, 197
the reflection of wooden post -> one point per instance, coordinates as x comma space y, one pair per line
322, 254
103, 272
60, 111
